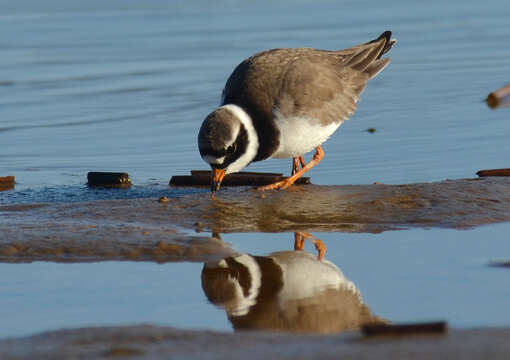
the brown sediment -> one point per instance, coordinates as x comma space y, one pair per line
157, 342
122, 351
87, 243
131, 229
350, 208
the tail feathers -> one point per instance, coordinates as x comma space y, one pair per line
376, 67
389, 42
367, 57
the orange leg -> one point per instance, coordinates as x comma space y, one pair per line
319, 154
296, 164
302, 161
299, 243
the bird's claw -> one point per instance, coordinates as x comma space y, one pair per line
280, 185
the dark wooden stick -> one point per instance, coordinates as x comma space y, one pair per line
6, 182
242, 173
203, 178
494, 172
108, 179
499, 98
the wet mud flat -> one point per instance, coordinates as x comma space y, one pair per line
145, 229
186, 228
151, 342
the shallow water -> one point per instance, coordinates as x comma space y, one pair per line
403, 276
94, 87
97, 87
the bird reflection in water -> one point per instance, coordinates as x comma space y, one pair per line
287, 290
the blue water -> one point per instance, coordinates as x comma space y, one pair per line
403, 276
98, 87
124, 86
81, 192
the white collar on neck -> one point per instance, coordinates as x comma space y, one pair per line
252, 145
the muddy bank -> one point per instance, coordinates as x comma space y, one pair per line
151, 342
104, 245
60, 239
145, 229
350, 208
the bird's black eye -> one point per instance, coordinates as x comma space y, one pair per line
231, 149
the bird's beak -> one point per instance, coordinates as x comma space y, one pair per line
217, 176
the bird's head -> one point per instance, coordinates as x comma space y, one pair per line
227, 141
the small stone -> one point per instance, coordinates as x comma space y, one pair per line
122, 352
371, 130
198, 226
163, 199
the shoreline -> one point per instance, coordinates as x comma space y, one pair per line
144, 229
157, 342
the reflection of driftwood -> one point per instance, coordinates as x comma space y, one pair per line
439, 327
499, 98
287, 291
505, 264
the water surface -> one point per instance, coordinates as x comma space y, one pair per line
98, 87
104, 86
402, 276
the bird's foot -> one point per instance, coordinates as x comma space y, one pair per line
299, 243
320, 247
280, 185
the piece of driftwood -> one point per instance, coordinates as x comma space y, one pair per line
438, 327
499, 98
6, 182
108, 179
494, 172
499, 263
244, 178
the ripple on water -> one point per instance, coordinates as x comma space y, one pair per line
83, 193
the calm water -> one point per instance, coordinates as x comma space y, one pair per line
98, 86
95, 87
414, 275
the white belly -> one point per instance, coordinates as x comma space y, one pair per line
300, 135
